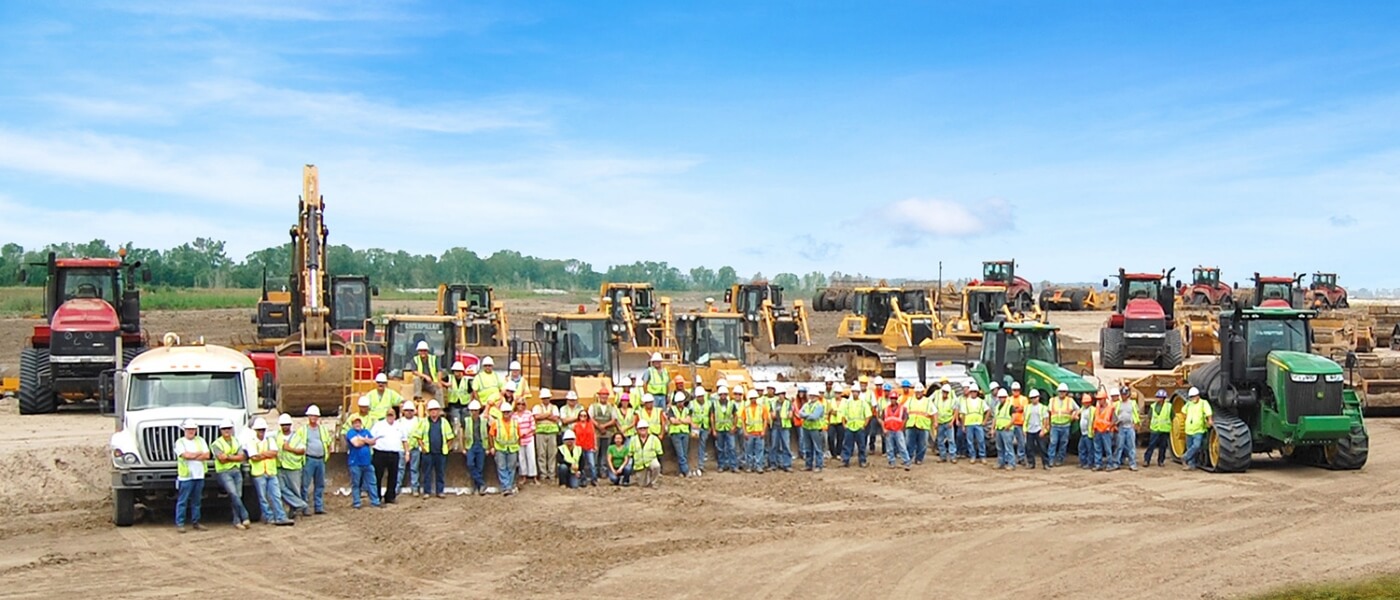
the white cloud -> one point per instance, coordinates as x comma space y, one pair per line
262, 10
948, 219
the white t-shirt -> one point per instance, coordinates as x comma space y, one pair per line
406, 426
197, 467
390, 438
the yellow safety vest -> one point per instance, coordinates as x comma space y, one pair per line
754, 419
919, 413
973, 411
1196, 414
833, 410
1061, 410
656, 381
674, 426
488, 388
266, 466
1161, 418
700, 411
431, 368
227, 447
856, 414
1004, 415
287, 459
571, 456
785, 413
543, 426
459, 391
947, 408
506, 436
379, 404
724, 416
645, 452
182, 467
420, 433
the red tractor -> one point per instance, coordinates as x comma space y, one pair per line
1278, 292
1206, 289
1143, 324
1325, 293
1018, 289
93, 325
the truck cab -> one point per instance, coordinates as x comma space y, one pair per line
153, 394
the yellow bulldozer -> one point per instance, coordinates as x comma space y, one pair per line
769, 323
483, 317
640, 320
884, 339
1077, 298
984, 304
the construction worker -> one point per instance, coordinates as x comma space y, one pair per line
487, 385
656, 380
1104, 430
1063, 411
317, 441
387, 455
1199, 419
586, 436
262, 464
475, 428
1018, 421
570, 462
678, 386
459, 394
702, 409
892, 421
877, 399
646, 454
525, 424
812, 411
655, 413
522, 387
946, 406
361, 409
619, 461
1087, 449
1006, 439
424, 368
920, 424
1125, 420
228, 469
1037, 432
605, 418
190, 453
381, 399
780, 452
290, 460
798, 402
505, 448
726, 446
855, 417
755, 419
972, 414
678, 427
358, 443
835, 436
434, 437
627, 416
413, 456
1160, 428
548, 424
570, 412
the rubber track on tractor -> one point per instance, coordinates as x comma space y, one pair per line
35, 398
1349, 454
1236, 447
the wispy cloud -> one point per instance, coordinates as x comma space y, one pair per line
810, 248
1342, 220
944, 219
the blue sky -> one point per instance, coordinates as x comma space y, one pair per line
861, 137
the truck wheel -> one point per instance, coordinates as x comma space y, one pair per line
1349, 453
123, 507
1173, 350
35, 392
1230, 447
1111, 347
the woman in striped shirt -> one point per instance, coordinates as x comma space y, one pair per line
525, 421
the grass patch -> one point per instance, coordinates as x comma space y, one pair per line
29, 301
1380, 588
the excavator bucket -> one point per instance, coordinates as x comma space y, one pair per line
303, 380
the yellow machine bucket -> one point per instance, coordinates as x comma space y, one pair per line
323, 380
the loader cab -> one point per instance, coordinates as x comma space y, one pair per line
708, 337
573, 346
876, 307
984, 304
350, 301
401, 337
642, 299
747, 300
914, 302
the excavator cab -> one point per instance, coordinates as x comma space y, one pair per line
350, 302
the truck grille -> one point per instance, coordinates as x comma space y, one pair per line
158, 441
1303, 399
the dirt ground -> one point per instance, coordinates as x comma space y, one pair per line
955, 531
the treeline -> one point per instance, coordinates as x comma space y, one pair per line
205, 263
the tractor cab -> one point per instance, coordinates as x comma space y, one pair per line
1260, 332
402, 334
876, 306
915, 301
984, 304
350, 302
747, 300
1028, 353
1136, 291
1206, 276
1278, 292
104, 280
637, 295
710, 337
1324, 280
999, 271
477, 297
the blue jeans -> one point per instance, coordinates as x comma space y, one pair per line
566, 475
590, 466
476, 466
704, 439
313, 483
895, 447
1103, 449
1059, 443
976, 441
189, 501
659, 401
802, 444
1193, 449
726, 454
290, 483
874, 431
432, 472
855, 444
270, 498
815, 456
961, 439
408, 471
1018, 433
624, 479
680, 442
1087, 460
507, 464
1127, 447
362, 481
1157, 441
946, 443
782, 447
753, 452
232, 482
1006, 448
917, 442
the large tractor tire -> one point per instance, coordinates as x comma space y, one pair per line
1076, 299
1112, 347
1342, 302
1229, 447
1173, 350
1208, 380
1199, 299
35, 392
1045, 296
123, 507
1349, 453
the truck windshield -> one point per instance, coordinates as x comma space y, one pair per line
172, 390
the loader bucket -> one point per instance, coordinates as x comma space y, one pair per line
323, 380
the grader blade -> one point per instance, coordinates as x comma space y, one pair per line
321, 379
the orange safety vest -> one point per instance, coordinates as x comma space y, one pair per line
1103, 419
1018, 410
755, 419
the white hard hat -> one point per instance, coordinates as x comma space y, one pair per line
878, 380
1001, 393
643, 424
994, 386
1063, 387
422, 346
409, 406
723, 389
627, 381
721, 381
506, 407
855, 387
569, 436
381, 378
655, 357
572, 395
1015, 385
458, 366
364, 401
679, 397
259, 423
546, 394
1035, 393
1193, 392
515, 365
510, 387
947, 389
190, 424
709, 300
918, 385
837, 387
226, 424
488, 362
313, 411
752, 395
1114, 393
831, 379
474, 405
433, 404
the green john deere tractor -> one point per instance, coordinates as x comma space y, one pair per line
1028, 352
1270, 393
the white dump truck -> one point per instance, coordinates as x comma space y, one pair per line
153, 394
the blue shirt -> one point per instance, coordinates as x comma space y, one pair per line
361, 456
435, 436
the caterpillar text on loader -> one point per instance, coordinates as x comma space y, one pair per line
885, 340
1143, 326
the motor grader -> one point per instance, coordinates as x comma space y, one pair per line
883, 339
483, 317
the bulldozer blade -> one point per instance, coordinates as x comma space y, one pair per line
323, 380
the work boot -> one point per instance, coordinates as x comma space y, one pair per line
1132, 468
198, 527
179, 529
1186, 467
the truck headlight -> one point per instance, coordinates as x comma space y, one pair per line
124, 459
1334, 378
1301, 378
